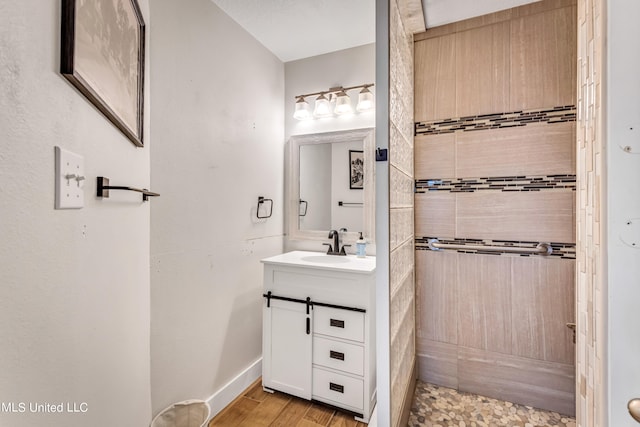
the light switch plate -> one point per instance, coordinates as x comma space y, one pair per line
69, 180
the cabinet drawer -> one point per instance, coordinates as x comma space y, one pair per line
338, 355
341, 389
336, 322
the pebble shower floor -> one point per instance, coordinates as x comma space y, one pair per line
435, 406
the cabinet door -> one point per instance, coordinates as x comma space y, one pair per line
286, 352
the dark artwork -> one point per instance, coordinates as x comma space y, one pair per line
356, 170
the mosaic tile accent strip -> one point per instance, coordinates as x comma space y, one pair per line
503, 183
560, 114
440, 406
560, 250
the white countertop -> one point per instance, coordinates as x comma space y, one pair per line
320, 260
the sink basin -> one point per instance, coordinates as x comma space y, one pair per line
322, 261
325, 259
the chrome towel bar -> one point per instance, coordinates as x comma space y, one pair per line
541, 248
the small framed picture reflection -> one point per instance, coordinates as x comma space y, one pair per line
356, 169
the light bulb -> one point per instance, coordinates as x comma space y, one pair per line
365, 100
323, 108
343, 103
302, 111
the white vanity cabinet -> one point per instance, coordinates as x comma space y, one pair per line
319, 329
289, 348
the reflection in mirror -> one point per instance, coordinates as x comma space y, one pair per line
331, 184
315, 187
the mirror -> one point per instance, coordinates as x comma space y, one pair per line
331, 184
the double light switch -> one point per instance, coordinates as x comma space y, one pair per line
69, 179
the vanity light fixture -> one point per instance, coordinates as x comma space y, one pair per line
302, 109
343, 103
323, 107
365, 100
338, 97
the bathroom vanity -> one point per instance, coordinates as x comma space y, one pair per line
318, 334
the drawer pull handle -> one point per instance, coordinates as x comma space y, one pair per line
336, 323
336, 387
336, 355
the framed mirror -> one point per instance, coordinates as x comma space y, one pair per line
331, 185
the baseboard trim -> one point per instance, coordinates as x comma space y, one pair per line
230, 391
407, 401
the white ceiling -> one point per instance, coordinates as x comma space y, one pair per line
440, 12
295, 29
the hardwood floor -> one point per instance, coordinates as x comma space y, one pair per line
255, 408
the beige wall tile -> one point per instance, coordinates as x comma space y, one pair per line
484, 302
591, 346
543, 295
523, 216
435, 83
517, 379
438, 363
543, 58
435, 156
435, 214
538, 149
437, 296
482, 70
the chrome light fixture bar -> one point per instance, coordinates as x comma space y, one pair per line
339, 97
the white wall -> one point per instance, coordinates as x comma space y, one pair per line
217, 123
315, 186
623, 208
74, 284
349, 67
383, 250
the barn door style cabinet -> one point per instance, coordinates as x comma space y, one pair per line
319, 329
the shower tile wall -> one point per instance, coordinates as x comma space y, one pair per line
401, 281
590, 294
495, 165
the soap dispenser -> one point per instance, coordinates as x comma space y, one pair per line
361, 247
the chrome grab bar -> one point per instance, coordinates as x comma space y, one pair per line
634, 409
541, 248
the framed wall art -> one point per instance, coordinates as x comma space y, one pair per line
102, 55
356, 169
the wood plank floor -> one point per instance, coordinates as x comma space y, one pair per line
256, 408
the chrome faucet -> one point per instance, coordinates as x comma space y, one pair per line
335, 249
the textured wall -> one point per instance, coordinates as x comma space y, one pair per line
589, 266
218, 126
74, 284
618, 164
401, 280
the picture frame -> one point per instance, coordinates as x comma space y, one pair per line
356, 169
102, 55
